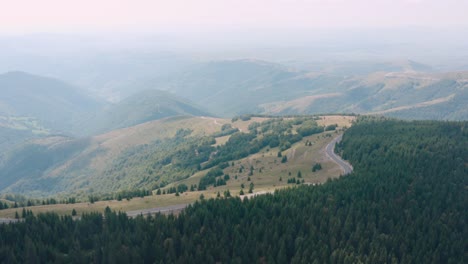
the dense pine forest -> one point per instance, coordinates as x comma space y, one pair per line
405, 202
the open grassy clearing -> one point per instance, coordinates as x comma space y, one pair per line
268, 168
266, 174
124, 205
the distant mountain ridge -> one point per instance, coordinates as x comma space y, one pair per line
234, 87
56, 104
144, 106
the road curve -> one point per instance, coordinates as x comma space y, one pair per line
330, 151
166, 209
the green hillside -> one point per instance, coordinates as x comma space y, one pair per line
157, 153
404, 203
53, 165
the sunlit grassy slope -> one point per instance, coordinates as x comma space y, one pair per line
268, 173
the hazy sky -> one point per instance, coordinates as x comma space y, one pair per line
60, 16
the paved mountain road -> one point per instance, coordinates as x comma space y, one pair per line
330, 151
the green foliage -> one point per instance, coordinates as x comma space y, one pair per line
276, 132
331, 127
291, 180
226, 130
210, 178
316, 167
309, 127
182, 188
251, 187
284, 159
163, 162
245, 117
183, 132
127, 194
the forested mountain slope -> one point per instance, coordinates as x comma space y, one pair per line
58, 164
406, 202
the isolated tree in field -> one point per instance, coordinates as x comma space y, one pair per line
316, 167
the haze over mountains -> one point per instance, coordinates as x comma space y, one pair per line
233, 131
56, 104
231, 87
65, 112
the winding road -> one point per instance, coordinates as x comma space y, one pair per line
329, 150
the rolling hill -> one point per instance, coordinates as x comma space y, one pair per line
56, 105
156, 153
402, 89
233, 87
51, 165
144, 106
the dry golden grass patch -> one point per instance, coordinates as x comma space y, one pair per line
243, 126
221, 140
341, 121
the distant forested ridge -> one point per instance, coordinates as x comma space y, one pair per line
405, 202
